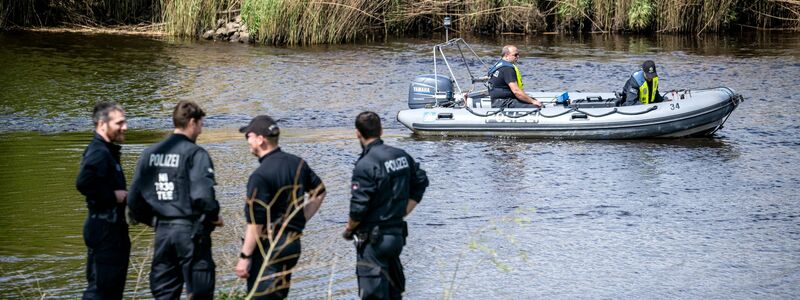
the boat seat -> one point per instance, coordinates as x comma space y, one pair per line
482, 97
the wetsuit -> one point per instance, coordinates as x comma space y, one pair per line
384, 179
174, 182
278, 175
105, 231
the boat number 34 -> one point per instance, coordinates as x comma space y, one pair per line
674, 106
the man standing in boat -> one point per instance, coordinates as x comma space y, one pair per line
642, 86
387, 184
505, 82
102, 181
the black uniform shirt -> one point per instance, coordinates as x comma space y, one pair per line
273, 183
499, 81
100, 175
384, 178
174, 179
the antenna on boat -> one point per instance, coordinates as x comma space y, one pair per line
446, 28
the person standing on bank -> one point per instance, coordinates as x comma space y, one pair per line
642, 86
275, 212
505, 82
102, 182
174, 184
386, 186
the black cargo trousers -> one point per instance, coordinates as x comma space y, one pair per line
378, 266
276, 279
181, 256
109, 249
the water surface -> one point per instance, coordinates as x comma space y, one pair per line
503, 218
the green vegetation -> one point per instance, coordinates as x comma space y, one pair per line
189, 17
640, 14
312, 22
336, 21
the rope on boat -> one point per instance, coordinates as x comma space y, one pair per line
736, 99
572, 109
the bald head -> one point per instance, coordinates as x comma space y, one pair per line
510, 53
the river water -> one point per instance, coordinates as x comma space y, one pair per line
503, 218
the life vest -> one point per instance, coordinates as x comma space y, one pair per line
503, 63
646, 93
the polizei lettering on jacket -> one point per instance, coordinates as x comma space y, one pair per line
164, 160
396, 164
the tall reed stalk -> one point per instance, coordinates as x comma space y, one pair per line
190, 17
301, 22
572, 13
640, 14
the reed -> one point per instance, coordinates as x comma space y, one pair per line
77, 12
20, 13
766, 14
189, 17
302, 22
640, 14
573, 13
604, 14
695, 15
481, 16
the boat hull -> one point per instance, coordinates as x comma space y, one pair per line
695, 113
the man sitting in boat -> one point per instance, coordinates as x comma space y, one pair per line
505, 82
642, 87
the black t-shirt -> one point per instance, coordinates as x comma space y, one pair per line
499, 81
273, 182
101, 174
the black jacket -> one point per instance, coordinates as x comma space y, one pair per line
100, 175
384, 179
630, 92
174, 179
280, 182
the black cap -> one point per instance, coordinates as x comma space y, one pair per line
649, 68
262, 125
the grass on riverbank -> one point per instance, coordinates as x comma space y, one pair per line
300, 22
312, 22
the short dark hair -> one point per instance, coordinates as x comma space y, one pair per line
102, 109
368, 124
185, 111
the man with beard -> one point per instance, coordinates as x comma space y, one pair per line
102, 182
276, 212
174, 183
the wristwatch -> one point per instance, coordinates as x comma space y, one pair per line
242, 256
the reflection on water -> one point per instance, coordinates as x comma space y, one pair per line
503, 218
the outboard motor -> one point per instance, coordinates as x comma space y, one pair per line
422, 91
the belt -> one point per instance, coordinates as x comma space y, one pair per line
385, 226
109, 215
175, 221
